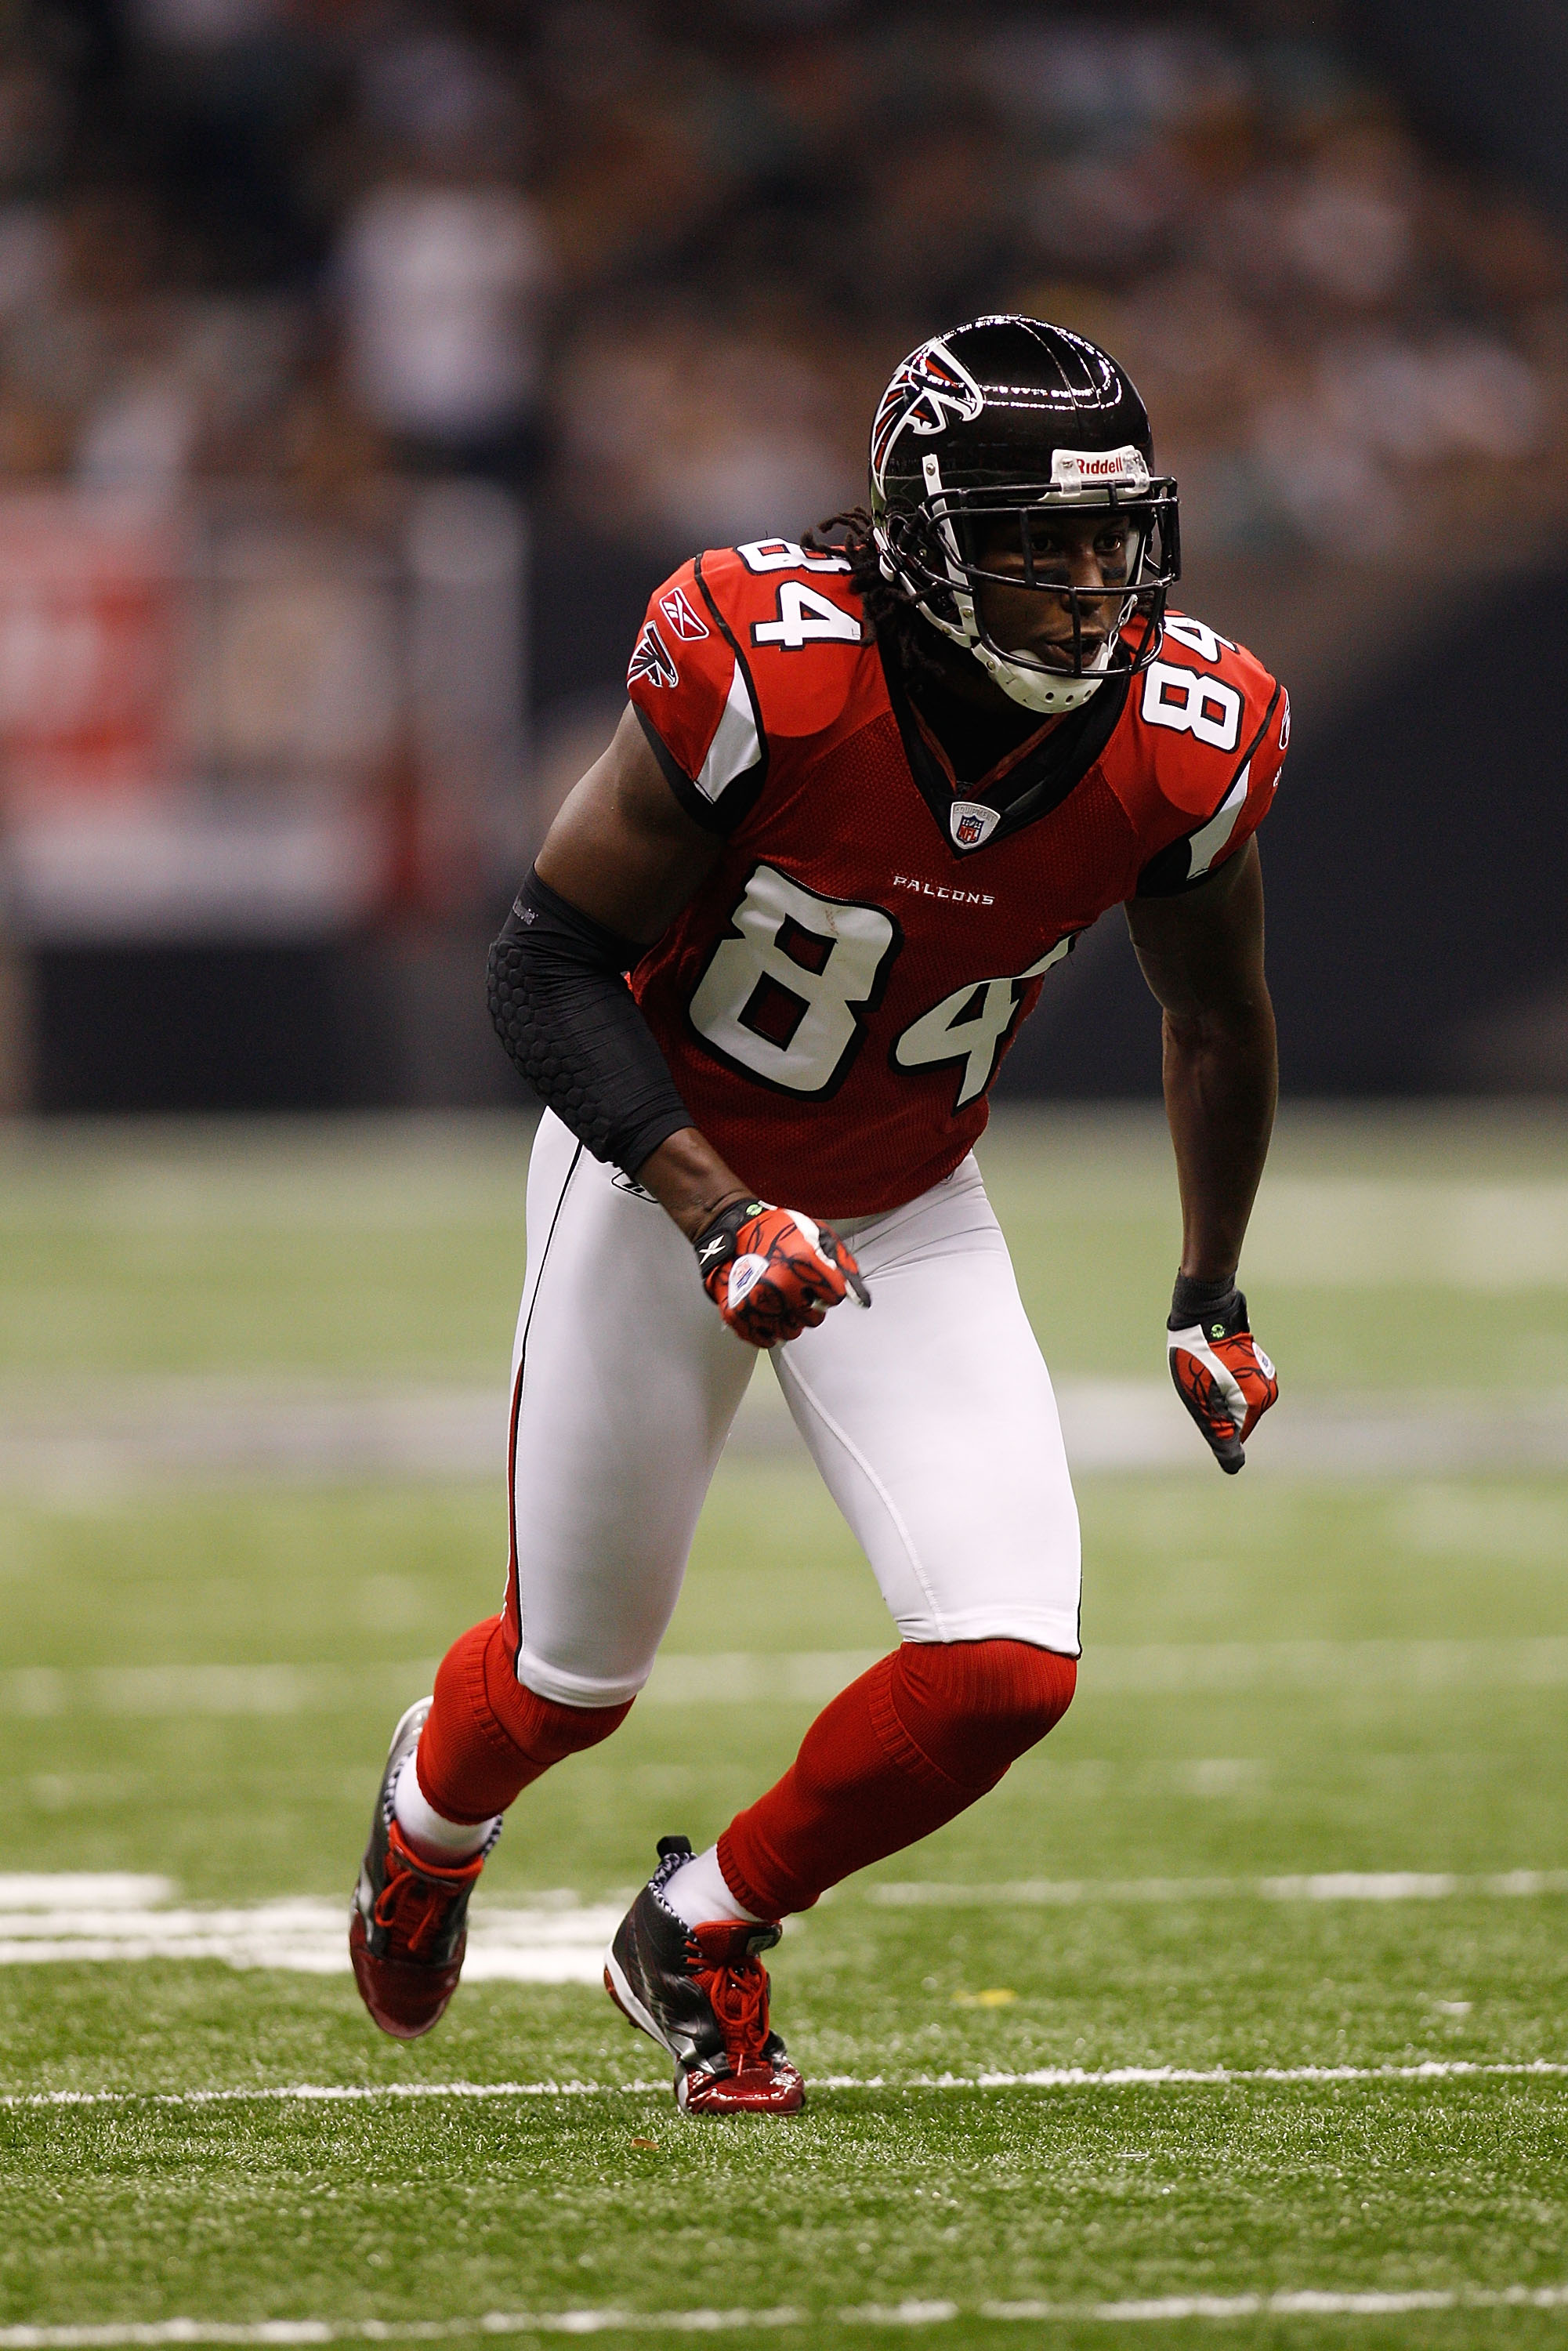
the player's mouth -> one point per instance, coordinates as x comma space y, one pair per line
1052, 642
1057, 653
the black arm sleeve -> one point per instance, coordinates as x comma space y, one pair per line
564, 1013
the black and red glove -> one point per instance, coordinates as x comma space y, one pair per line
1221, 1374
772, 1272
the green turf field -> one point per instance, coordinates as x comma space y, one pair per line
1302, 1832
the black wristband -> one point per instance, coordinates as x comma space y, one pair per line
564, 1013
1192, 1300
717, 1242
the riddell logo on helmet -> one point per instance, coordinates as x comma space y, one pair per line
1100, 469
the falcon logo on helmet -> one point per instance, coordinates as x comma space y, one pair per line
1001, 451
930, 386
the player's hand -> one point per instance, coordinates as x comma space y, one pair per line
772, 1272
1221, 1375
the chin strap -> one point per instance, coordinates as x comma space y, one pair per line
1037, 688
1028, 684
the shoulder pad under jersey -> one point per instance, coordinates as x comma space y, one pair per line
1197, 755
743, 648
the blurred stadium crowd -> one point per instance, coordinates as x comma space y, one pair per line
335, 335
656, 262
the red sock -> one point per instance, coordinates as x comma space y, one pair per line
906, 1748
486, 1736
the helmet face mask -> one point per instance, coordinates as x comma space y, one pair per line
996, 448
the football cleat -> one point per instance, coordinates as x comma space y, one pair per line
701, 1993
408, 1927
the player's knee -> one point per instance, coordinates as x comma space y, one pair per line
542, 1729
974, 1707
477, 1684
486, 1738
547, 1732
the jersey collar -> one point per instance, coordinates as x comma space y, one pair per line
1042, 771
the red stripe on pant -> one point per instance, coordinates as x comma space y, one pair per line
902, 1751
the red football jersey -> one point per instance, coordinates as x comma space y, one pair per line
836, 1000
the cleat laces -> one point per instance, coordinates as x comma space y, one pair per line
413, 1903
739, 1997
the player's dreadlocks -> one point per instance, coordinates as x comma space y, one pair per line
893, 617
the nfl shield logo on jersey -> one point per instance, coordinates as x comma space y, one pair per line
972, 824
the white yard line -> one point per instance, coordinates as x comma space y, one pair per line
38, 1691
560, 1939
106, 1435
1043, 2077
78, 1889
1311, 2302
1329, 1885
806, 1677
1349, 1232
304, 1936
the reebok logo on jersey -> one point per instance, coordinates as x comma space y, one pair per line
686, 623
650, 660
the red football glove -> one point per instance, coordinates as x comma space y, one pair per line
1221, 1375
772, 1273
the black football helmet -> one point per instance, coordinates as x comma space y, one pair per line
984, 438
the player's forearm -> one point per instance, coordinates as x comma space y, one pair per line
1221, 1080
565, 1015
690, 1181
569, 1023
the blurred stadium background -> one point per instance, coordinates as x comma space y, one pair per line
362, 365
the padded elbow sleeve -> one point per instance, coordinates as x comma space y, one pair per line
563, 1011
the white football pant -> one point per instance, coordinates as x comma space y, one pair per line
930, 1416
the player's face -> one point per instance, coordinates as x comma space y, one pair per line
1095, 552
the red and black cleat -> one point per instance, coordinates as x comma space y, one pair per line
701, 1993
408, 1927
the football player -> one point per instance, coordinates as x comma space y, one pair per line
868, 791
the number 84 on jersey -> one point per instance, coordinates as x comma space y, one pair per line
787, 995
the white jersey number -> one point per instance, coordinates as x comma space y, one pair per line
1204, 707
806, 617
1199, 638
971, 1026
785, 995
787, 555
